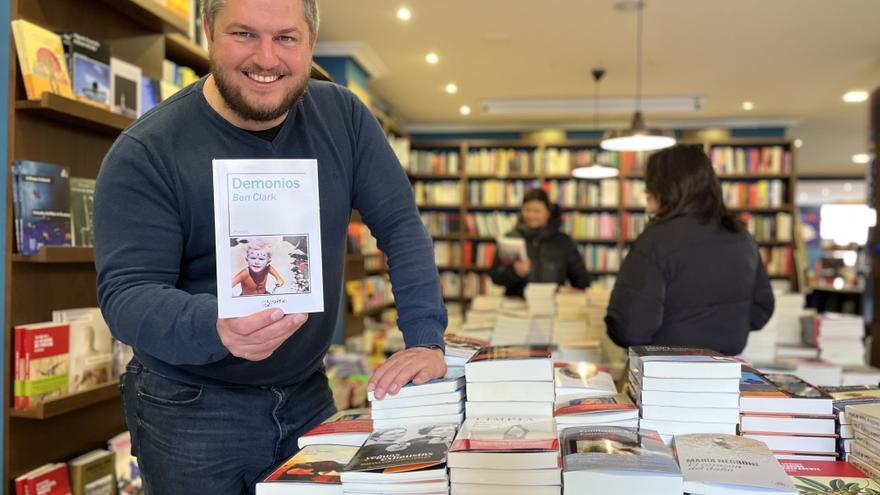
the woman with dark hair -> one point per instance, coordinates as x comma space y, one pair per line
552, 255
694, 277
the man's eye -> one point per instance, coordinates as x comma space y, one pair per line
286, 39
242, 34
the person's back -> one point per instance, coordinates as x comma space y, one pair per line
694, 277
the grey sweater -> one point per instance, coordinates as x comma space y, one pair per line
154, 232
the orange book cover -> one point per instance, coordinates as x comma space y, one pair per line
41, 59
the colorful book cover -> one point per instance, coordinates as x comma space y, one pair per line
44, 200
41, 59
82, 199
501, 353
268, 236
128, 474
314, 464
46, 348
89, 63
151, 93
125, 86
829, 478
91, 355
616, 448
619, 402
403, 448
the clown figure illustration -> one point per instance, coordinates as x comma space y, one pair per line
254, 277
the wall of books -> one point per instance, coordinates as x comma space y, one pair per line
469, 193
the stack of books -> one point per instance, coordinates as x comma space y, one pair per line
510, 381
570, 324
609, 459
865, 455
845, 396
314, 470
839, 338
437, 401
787, 313
349, 427
509, 456
459, 349
541, 330
541, 299
793, 418
573, 380
860, 375
683, 390
713, 464
403, 460
511, 328
615, 410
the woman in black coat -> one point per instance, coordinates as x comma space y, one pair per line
694, 277
552, 255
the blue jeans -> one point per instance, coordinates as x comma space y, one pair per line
213, 439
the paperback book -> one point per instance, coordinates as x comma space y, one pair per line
89, 62
411, 453
512, 249
42, 213
41, 58
268, 236
313, 470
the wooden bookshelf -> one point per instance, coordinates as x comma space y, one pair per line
184, 51
64, 405
58, 254
622, 242
75, 113
150, 14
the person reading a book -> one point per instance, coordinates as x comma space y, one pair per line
254, 276
213, 404
694, 277
551, 255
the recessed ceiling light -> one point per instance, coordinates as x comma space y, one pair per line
404, 14
432, 58
798, 143
861, 158
464, 110
747, 105
855, 96
451, 88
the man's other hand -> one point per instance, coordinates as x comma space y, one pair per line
416, 364
255, 337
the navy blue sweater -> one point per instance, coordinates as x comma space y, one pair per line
154, 232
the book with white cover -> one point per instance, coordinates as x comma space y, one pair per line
695, 414
511, 249
583, 380
505, 443
453, 381
456, 419
391, 402
512, 477
510, 363
666, 427
804, 425
680, 362
686, 384
511, 391
481, 489
268, 236
125, 85
688, 399
524, 409
715, 464
418, 411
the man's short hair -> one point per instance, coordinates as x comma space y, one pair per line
210, 8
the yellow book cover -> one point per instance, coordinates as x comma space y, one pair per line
41, 58
178, 7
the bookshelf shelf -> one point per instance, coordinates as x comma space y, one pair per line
58, 254
181, 49
69, 111
439, 207
752, 176
64, 405
759, 209
433, 177
149, 14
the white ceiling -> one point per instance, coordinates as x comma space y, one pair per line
792, 58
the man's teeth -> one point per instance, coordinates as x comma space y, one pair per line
262, 79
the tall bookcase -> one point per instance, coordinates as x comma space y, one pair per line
611, 211
63, 131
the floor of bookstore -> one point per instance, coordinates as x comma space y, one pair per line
775, 134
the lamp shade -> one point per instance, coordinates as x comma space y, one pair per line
637, 138
595, 172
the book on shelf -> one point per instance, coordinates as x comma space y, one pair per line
125, 86
408, 453
93, 473
510, 363
348, 427
505, 443
91, 348
42, 205
680, 362
609, 459
151, 93
43, 362
780, 393
41, 59
128, 474
828, 478
714, 464
82, 199
88, 62
49, 479
265, 259
313, 470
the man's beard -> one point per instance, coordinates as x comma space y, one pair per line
236, 102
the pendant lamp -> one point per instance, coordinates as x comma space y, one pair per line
638, 137
596, 170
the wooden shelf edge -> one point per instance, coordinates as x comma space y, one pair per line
58, 254
70, 110
183, 50
320, 73
150, 14
64, 405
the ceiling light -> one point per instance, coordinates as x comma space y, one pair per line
596, 170
638, 137
855, 96
464, 110
748, 106
451, 88
798, 143
432, 58
861, 158
404, 14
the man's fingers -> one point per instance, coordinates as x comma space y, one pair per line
255, 322
384, 376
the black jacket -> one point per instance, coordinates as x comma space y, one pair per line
691, 284
553, 255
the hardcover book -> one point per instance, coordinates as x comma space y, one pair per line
41, 59
313, 470
89, 63
91, 348
44, 205
268, 235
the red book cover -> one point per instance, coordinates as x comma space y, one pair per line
345, 426
593, 404
45, 349
53, 482
314, 464
499, 353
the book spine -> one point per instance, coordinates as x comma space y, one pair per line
858, 418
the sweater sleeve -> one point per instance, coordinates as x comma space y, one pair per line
635, 312
138, 248
383, 195
763, 302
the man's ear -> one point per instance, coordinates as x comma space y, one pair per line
314, 41
209, 34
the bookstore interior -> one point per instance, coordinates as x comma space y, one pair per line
485, 103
